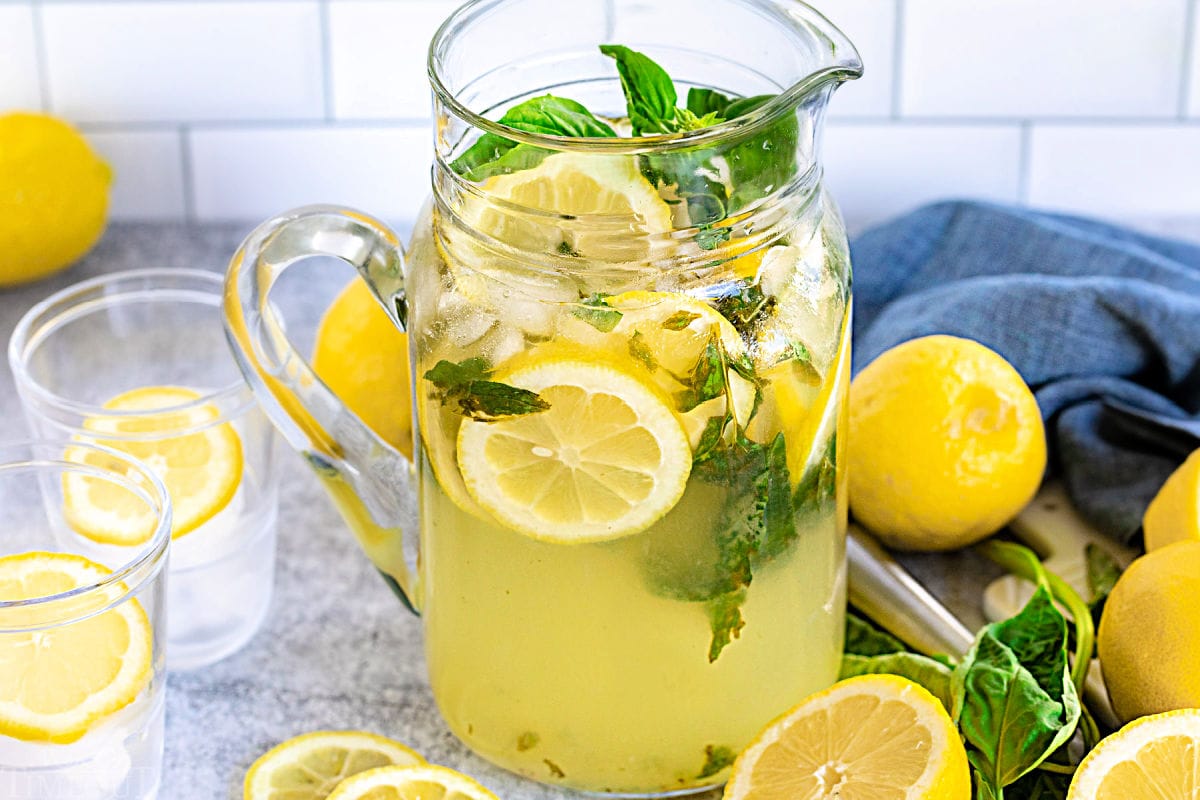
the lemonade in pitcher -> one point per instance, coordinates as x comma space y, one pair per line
628, 316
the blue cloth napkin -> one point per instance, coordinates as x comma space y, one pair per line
1102, 322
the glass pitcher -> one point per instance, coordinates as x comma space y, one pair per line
630, 361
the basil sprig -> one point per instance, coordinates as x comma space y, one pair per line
493, 154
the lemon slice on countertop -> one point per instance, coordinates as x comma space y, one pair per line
425, 782
310, 766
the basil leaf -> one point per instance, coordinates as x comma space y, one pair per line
1014, 699
649, 91
766, 162
933, 675
1039, 785
703, 102
493, 154
864, 639
596, 311
716, 759
465, 389
1102, 571
725, 620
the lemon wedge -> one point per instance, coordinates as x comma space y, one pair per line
1151, 758
607, 459
880, 737
57, 682
424, 782
201, 469
311, 766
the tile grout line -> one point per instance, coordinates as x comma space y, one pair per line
326, 59
898, 59
1025, 162
1191, 53
188, 178
40, 55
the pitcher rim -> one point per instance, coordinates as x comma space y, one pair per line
844, 67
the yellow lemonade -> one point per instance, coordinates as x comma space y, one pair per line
633, 658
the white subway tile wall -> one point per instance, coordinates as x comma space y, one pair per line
237, 109
19, 83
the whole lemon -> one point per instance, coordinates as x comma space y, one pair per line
946, 444
1149, 639
1174, 513
362, 356
53, 197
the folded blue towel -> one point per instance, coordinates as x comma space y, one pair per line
1102, 322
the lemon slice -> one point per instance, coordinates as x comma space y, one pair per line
607, 459
425, 782
201, 469
672, 332
56, 682
880, 737
570, 185
311, 766
1151, 758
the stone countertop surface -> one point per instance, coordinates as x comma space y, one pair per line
337, 650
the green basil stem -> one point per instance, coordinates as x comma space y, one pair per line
1024, 563
1058, 769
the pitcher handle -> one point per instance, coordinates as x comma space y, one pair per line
372, 484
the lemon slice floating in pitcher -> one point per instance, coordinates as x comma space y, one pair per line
201, 469
311, 766
425, 782
607, 459
55, 683
570, 185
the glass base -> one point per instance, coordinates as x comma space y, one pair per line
215, 607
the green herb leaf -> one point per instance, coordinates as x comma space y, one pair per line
1102, 572
703, 102
649, 91
493, 154
680, 320
464, 387
864, 639
764, 163
639, 350
716, 759
596, 311
779, 515
933, 675
816, 492
744, 303
706, 380
1039, 785
1014, 699
725, 619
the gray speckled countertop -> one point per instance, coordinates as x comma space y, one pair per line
337, 650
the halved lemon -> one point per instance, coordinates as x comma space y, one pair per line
1152, 758
874, 737
201, 469
311, 766
667, 333
424, 782
57, 682
607, 459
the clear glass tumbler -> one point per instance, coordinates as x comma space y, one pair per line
81, 633
138, 361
